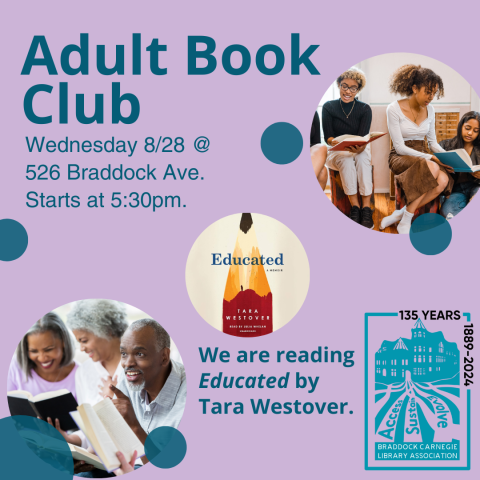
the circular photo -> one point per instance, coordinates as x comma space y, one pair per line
247, 275
397, 136
104, 375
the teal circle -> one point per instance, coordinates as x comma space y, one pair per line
165, 447
13, 240
31, 448
430, 234
282, 143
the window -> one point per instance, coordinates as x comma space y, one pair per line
414, 349
403, 372
394, 373
440, 347
414, 371
414, 358
430, 349
429, 369
406, 361
430, 359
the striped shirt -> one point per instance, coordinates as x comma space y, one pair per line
167, 408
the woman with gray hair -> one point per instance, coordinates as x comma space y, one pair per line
43, 361
98, 326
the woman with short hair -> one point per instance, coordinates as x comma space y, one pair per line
418, 172
44, 359
350, 116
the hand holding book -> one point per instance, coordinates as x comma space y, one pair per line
73, 438
125, 467
125, 408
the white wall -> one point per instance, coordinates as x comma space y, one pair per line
378, 71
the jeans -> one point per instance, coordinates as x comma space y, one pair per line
458, 200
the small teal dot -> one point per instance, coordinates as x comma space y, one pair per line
13, 240
282, 143
165, 447
430, 234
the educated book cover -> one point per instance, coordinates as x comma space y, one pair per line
247, 275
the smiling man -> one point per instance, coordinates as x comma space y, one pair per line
154, 389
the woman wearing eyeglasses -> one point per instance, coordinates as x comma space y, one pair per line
350, 116
420, 174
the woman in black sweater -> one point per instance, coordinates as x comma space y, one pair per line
350, 116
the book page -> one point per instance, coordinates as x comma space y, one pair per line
20, 394
98, 436
464, 156
123, 436
79, 453
47, 395
341, 138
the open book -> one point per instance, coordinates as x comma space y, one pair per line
353, 141
459, 160
79, 453
107, 432
57, 404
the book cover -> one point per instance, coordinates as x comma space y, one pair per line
247, 275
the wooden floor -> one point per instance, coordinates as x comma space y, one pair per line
383, 207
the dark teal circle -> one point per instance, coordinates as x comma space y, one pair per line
31, 448
430, 234
165, 447
282, 143
13, 240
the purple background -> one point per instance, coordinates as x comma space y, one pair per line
139, 257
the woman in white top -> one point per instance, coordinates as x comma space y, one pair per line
420, 174
98, 326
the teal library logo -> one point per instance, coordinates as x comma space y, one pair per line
416, 397
414, 406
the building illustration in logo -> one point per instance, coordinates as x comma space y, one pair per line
427, 356
247, 301
417, 397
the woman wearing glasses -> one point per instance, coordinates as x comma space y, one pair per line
350, 116
420, 174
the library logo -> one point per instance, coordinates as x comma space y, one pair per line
416, 396
415, 410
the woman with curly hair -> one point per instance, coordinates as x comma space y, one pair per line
98, 326
420, 174
348, 115
466, 184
